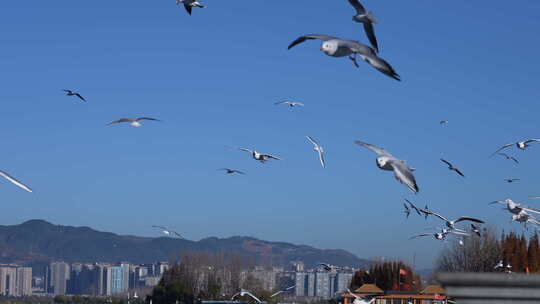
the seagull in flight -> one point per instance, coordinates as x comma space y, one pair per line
337, 47
14, 181
443, 122
386, 161
244, 292
319, 150
168, 232
282, 291
511, 180
189, 4
452, 223
134, 122
440, 235
259, 156
231, 171
522, 145
328, 267
290, 103
509, 157
367, 19
360, 300
71, 93
524, 217
515, 208
476, 230
450, 167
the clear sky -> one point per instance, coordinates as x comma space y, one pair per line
213, 78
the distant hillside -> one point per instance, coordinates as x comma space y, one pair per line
38, 241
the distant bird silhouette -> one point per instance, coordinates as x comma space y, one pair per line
450, 167
522, 145
134, 122
71, 93
290, 103
443, 122
189, 4
231, 171
511, 180
168, 232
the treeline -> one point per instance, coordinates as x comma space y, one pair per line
392, 275
483, 254
207, 276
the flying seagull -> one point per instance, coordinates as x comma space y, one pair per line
134, 122
452, 223
189, 4
328, 267
71, 93
515, 208
259, 156
441, 236
167, 231
450, 167
319, 150
13, 180
290, 103
475, 229
522, 145
407, 210
509, 157
367, 19
231, 171
244, 292
443, 122
511, 180
336, 47
386, 161
282, 291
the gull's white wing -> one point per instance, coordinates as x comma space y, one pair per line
282, 102
531, 140
13, 180
254, 297
529, 209
160, 227
321, 158
246, 150
352, 294
420, 235
373, 148
404, 174
271, 156
275, 294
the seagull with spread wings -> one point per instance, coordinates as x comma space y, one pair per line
443, 122
337, 47
282, 291
189, 4
231, 171
71, 93
244, 292
367, 19
413, 206
319, 150
15, 181
259, 156
452, 223
168, 232
290, 103
134, 122
522, 145
450, 167
386, 161
515, 208
511, 180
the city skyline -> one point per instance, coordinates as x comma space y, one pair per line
212, 89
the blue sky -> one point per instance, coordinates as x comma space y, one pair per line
213, 78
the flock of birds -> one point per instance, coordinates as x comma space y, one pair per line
338, 47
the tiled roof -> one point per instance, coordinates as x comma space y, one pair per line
369, 289
434, 289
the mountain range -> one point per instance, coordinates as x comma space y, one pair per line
39, 242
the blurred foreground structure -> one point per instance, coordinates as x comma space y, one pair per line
492, 288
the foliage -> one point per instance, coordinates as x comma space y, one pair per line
392, 275
481, 254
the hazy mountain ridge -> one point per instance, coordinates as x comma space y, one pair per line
38, 241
